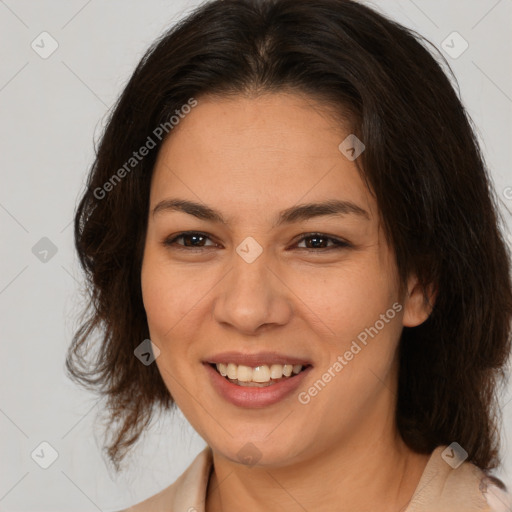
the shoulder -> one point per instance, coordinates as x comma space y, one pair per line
496, 494
456, 485
186, 493
157, 502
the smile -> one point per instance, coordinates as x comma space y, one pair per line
248, 392
258, 376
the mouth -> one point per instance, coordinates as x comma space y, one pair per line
244, 391
256, 380
258, 376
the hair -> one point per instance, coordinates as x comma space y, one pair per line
422, 163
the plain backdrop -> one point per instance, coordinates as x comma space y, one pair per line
51, 111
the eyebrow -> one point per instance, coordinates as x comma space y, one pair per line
293, 214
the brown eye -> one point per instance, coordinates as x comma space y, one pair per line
320, 241
192, 239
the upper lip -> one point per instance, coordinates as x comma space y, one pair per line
257, 359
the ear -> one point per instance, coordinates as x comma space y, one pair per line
418, 302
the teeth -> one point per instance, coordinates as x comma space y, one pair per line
244, 373
287, 370
259, 374
296, 368
276, 371
232, 371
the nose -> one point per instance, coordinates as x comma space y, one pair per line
252, 297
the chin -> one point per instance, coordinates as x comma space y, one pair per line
257, 451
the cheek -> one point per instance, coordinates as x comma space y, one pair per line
165, 310
168, 294
351, 302
174, 300
161, 302
347, 299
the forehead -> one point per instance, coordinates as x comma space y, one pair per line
258, 152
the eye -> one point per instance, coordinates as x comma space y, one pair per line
316, 242
191, 239
321, 241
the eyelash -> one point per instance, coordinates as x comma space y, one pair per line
337, 243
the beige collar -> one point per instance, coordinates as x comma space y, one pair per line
444, 489
440, 489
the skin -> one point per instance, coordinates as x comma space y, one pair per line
250, 157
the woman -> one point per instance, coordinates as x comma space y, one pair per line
290, 203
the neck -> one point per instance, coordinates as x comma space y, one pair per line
374, 466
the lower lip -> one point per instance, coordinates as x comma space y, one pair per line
244, 396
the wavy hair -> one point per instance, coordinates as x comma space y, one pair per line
422, 162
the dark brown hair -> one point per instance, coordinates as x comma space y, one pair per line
422, 162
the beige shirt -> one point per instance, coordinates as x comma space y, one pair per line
441, 489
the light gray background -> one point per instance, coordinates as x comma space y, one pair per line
50, 111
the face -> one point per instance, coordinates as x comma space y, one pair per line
266, 284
